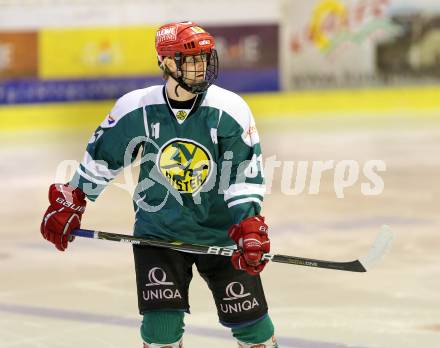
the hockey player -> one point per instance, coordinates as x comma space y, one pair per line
200, 182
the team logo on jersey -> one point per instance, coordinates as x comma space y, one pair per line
111, 120
185, 164
181, 115
108, 122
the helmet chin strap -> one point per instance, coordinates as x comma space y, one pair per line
175, 90
179, 84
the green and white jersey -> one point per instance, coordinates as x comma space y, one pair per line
200, 171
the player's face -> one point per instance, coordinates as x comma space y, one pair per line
194, 68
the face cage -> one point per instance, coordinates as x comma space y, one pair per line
210, 75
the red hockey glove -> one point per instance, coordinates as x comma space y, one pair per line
63, 215
253, 241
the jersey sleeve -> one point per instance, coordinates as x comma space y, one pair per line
113, 146
241, 153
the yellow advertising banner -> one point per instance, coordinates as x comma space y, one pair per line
97, 52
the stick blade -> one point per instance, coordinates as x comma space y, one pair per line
380, 247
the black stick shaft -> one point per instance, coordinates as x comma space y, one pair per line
351, 266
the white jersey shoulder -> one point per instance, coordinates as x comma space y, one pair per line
132, 101
235, 107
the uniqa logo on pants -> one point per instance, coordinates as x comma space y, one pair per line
157, 277
235, 292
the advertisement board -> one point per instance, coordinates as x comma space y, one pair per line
94, 52
248, 56
18, 55
75, 64
332, 43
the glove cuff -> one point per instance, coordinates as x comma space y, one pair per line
67, 197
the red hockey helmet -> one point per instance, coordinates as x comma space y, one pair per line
184, 39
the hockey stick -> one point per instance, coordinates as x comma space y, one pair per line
378, 249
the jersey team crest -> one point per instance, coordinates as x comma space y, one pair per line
181, 115
185, 164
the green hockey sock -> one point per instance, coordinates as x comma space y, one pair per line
258, 332
162, 327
